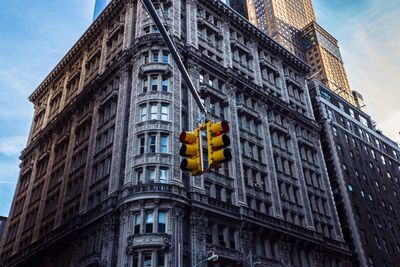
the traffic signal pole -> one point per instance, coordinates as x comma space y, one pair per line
175, 55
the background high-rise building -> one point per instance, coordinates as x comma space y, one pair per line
282, 20
292, 23
364, 170
323, 54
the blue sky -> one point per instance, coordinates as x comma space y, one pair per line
35, 35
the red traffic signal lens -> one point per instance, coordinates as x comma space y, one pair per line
225, 126
182, 137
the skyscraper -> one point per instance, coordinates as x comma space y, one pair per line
323, 54
100, 182
282, 20
292, 23
364, 170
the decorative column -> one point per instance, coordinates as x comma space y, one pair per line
110, 241
198, 238
269, 155
246, 245
284, 249
298, 170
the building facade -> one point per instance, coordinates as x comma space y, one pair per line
323, 54
3, 221
292, 23
364, 170
100, 183
283, 20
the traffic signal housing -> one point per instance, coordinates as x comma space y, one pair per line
217, 143
191, 150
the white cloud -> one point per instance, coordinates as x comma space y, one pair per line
13, 145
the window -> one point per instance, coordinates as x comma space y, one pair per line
350, 187
161, 259
154, 56
232, 243
149, 222
151, 175
165, 84
145, 85
161, 221
163, 175
351, 112
164, 112
138, 220
165, 57
139, 175
373, 153
141, 144
335, 132
153, 111
147, 259
154, 83
143, 113
221, 239
164, 143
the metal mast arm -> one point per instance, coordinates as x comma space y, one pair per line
167, 39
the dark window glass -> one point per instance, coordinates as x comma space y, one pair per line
149, 222
161, 221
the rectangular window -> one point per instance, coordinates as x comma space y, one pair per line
146, 58
165, 57
232, 243
149, 222
138, 220
135, 260
152, 143
154, 56
163, 175
153, 111
165, 84
154, 83
147, 259
164, 143
139, 175
145, 85
151, 175
221, 239
141, 144
161, 259
143, 113
161, 221
164, 112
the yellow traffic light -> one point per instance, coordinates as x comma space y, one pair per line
217, 143
191, 149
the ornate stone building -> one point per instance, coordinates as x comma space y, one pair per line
100, 183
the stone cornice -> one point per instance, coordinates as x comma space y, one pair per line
263, 38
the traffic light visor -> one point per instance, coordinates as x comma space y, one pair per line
221, 140
222, 155
187, 137
219, 127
